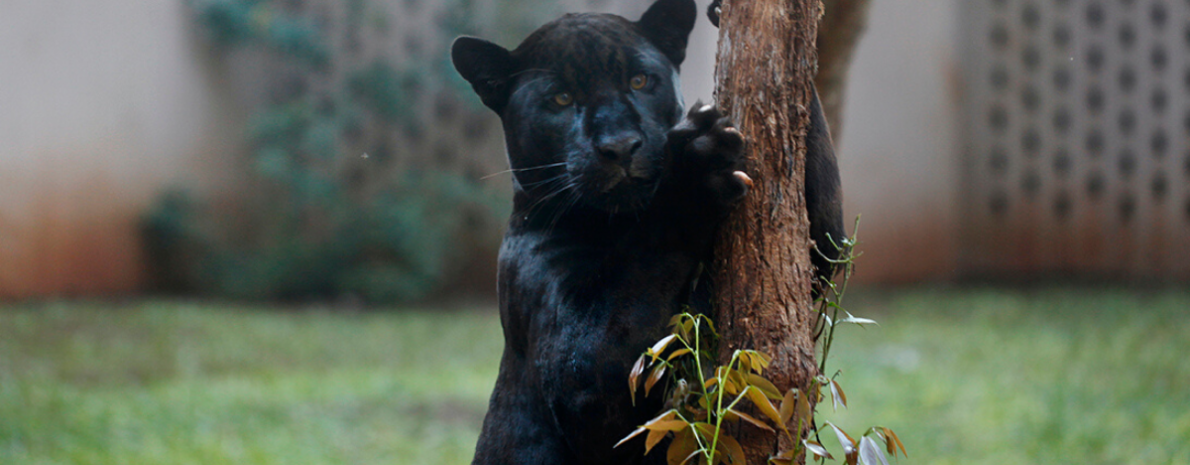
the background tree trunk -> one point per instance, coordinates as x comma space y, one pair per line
843, 22
761, 270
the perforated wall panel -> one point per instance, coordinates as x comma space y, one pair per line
1077, 154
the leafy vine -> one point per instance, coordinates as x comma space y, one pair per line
702, 397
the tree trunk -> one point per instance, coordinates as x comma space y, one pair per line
842, 23
761, 270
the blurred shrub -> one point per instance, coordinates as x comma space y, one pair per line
329, 212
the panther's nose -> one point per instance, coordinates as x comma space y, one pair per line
618, 148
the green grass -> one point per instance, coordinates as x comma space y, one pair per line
1027, 377
168, 383
963, 376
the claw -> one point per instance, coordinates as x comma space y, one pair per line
743, 178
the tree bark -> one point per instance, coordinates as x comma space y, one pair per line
843, 22
761, 268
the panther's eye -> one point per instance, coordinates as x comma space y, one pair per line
638, 82
563, 99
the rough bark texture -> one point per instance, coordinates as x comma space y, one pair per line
762, 270
843, 22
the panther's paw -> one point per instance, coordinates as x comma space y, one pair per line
713, 12
708, 147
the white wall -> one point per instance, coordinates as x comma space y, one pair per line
101, 105
899, 141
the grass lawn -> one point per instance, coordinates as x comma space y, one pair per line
964, 376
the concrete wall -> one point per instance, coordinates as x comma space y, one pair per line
101, 105
900, 134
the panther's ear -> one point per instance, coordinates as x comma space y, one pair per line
487, 66
667, 25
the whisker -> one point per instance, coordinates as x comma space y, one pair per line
557, 178
572, 199
531, 168
543, 199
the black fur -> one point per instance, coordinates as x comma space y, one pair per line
616, 198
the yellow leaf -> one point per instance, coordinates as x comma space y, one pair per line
737, 379
667, 425
660, 346
634, 377
837, 395
677, 353
891, 437
681, 447
730, 387
750, 419
654, 377
732, 450
654, 437
634, 433
803, 410
763, 404
765, 359
850, 449
707, 430
765, 386
787, 406
665, 416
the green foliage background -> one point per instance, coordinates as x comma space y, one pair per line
319, 221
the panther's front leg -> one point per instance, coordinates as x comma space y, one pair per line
706, 158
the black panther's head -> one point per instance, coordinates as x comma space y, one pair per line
586, 102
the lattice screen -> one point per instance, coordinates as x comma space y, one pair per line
1078, 137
